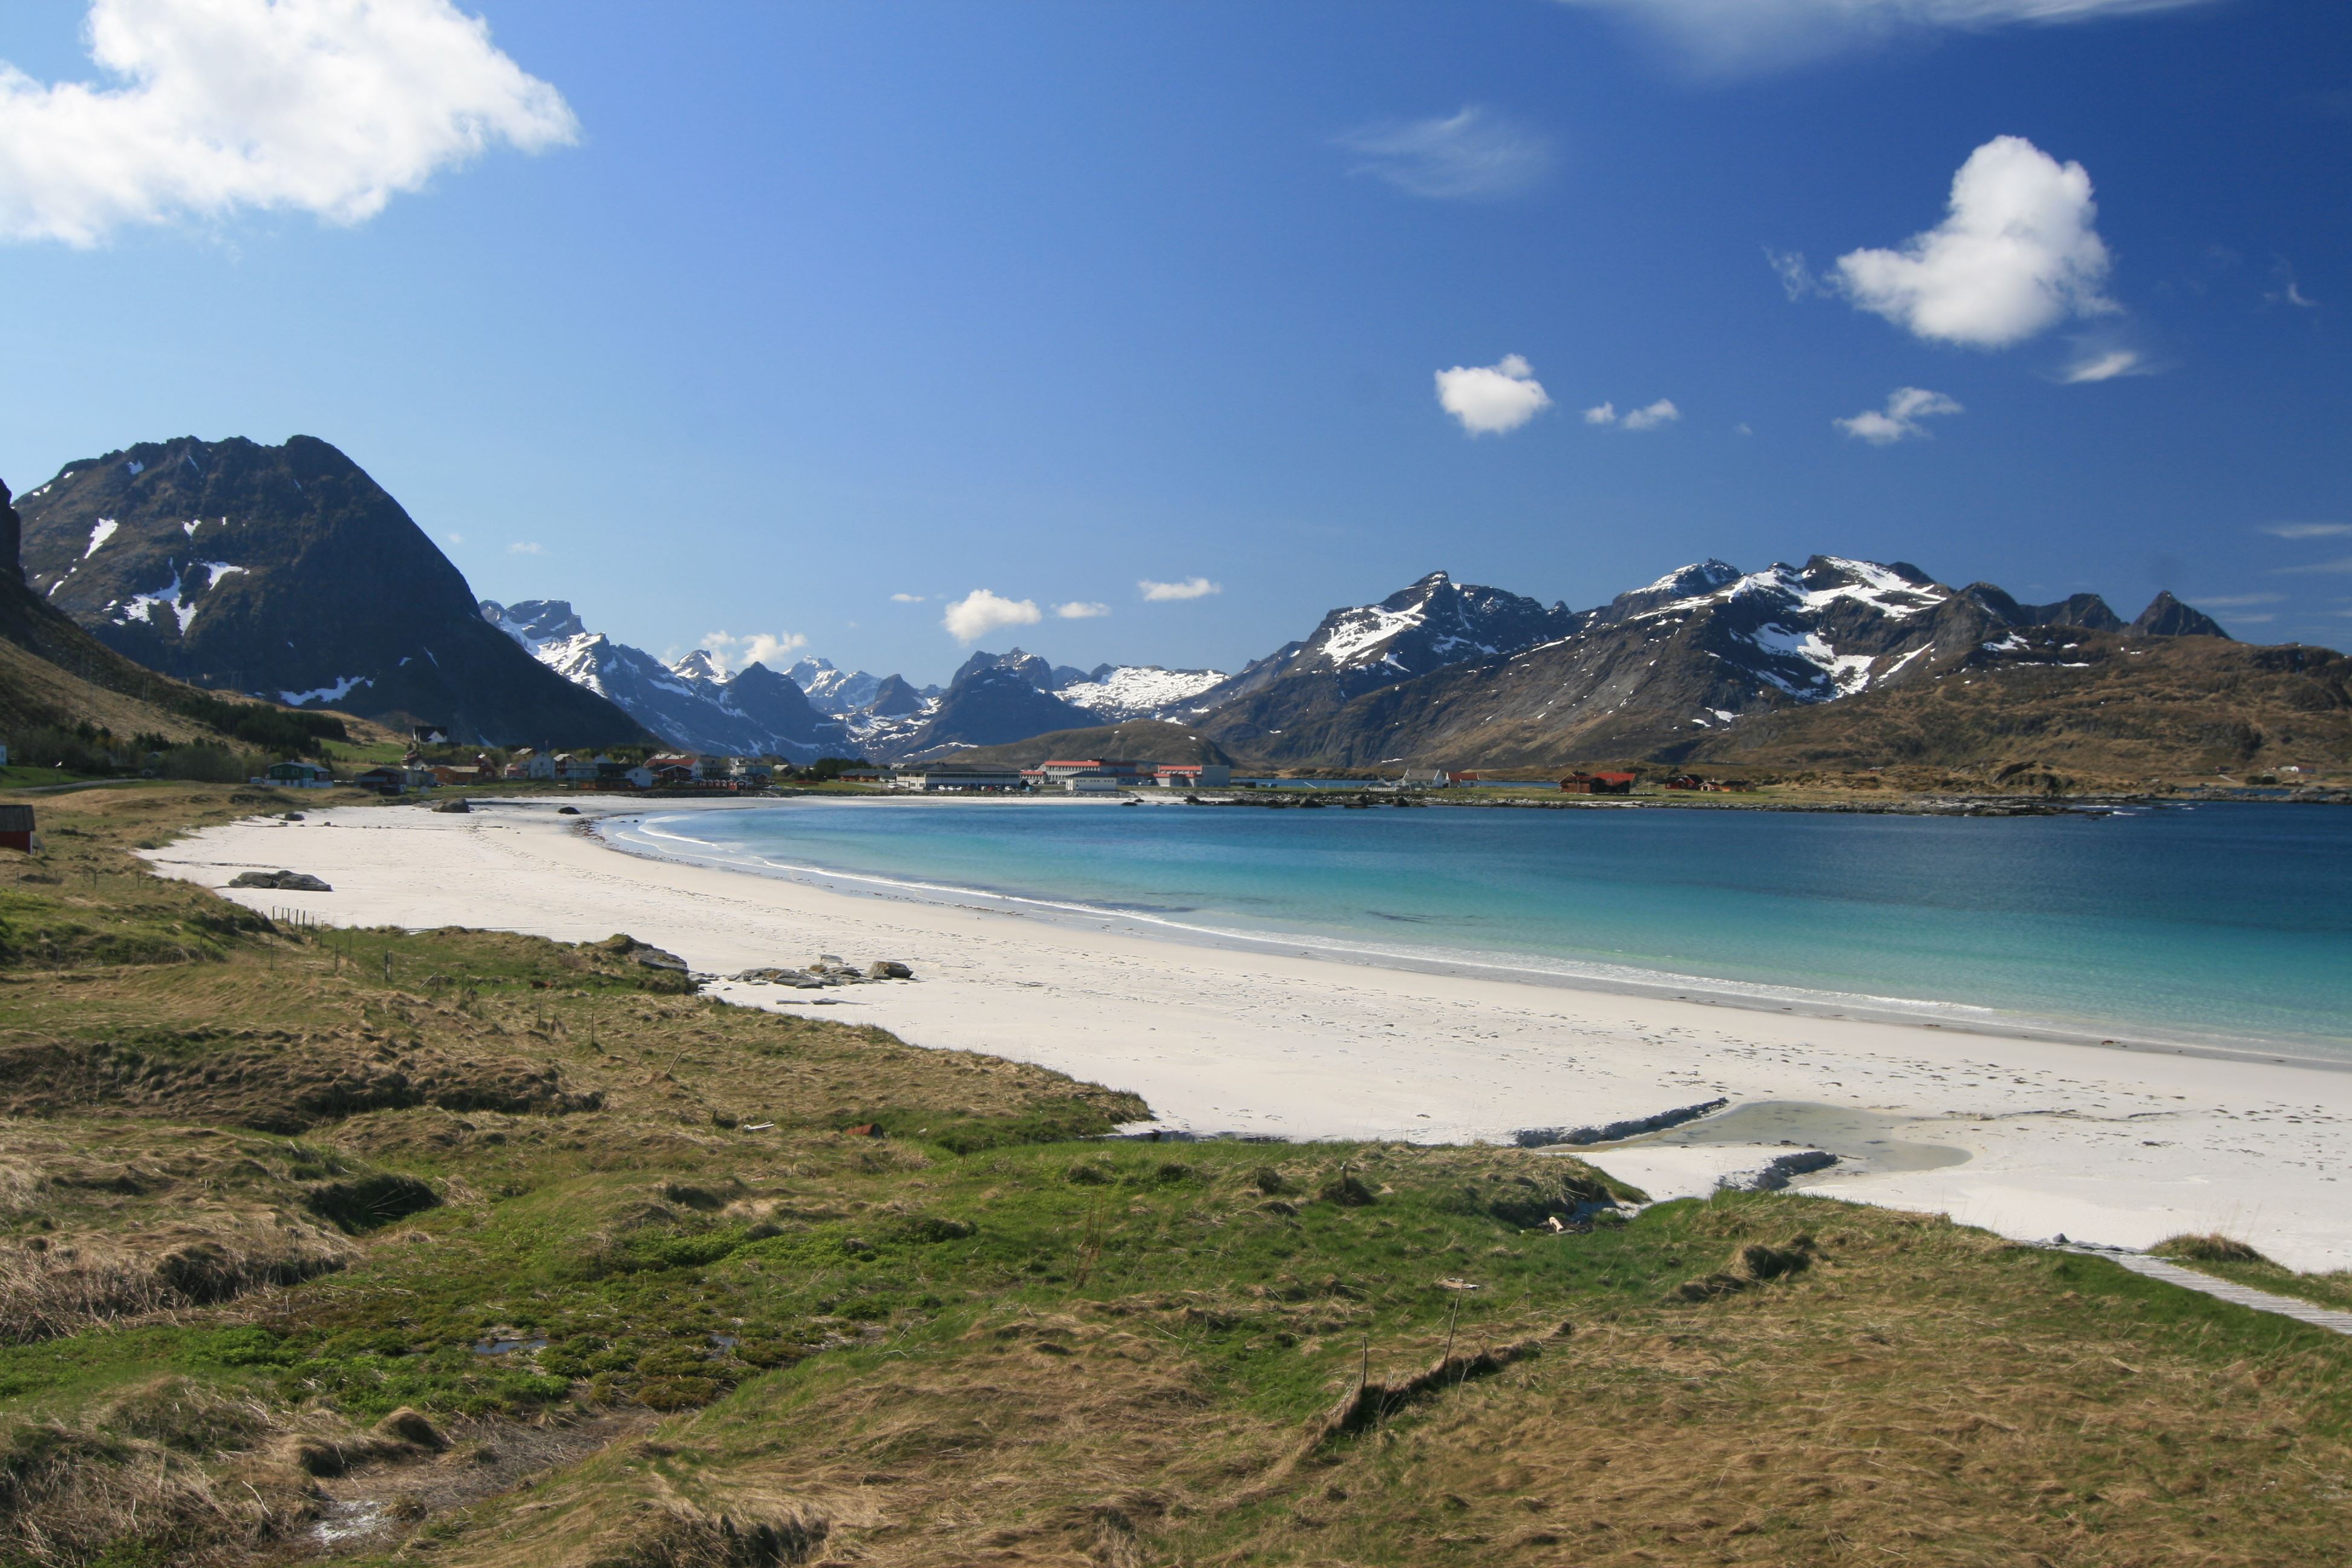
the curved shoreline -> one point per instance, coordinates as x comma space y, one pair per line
1705, 991
2114, 1146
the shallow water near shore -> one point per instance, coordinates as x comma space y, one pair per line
2213, 924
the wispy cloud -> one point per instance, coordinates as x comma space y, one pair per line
733, 653
1749, 35
2237, 601
454, 538
1796, 280
2289, 292
2106, 364
2018, 251
526, 547
1661, 412
1190, 588
2307, 530
1472, 155
2342, 563
1900, 418
980, 612
906, 598
1081, 610
236, 104
1491, 399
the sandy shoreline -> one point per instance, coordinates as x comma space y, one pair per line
2105, 1145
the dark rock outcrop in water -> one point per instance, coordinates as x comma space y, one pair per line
286, 572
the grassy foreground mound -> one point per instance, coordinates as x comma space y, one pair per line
520, 1257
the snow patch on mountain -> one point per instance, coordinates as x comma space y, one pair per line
1138, 690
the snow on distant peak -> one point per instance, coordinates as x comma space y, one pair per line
1698, 577
699, 666
1361, 633
1131, 691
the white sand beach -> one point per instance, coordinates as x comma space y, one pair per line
2104, 1145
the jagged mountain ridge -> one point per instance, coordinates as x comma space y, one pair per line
693, 704
1658, 670
286, 572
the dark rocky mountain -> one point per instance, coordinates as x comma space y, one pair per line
988, 707
1663, 672
1029, 666
1432, 624
894, 698
2167, 616
286, 572
692, 704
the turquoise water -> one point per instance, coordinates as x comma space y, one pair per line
2217, 922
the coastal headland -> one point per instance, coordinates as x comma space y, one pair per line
2027, 1137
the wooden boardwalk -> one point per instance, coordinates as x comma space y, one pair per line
2226, 1291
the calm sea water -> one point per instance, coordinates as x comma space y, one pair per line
2230, 922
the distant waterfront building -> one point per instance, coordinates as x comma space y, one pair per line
931, 778
1598, 783
296, 775
1428, 778
1195, 775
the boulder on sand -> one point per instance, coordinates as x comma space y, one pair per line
284, 881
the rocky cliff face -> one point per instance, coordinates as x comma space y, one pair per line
287, 571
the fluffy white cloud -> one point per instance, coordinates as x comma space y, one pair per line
1080, 610
1744, 34
1190, 588
2016, 253
1661, 412
1451, 157
526, 547
733, 653
980, 612
1493, 398
1900, 418
330, 106
2307, 530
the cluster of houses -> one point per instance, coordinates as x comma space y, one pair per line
717, 775
1069, 776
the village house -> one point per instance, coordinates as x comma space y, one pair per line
1598, 783
385, 780
17, 828
296, 774
1194, 775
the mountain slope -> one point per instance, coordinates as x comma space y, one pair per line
692, 704
989, 706
1432, 623
288, 572
1662, 672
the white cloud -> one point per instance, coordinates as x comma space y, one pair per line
732, 653
1905, 408
1661, 412
1722, 34
1494, 398
525, 547
1190, 588
454, 538
1796, 280
2096, 364
2238, 600
1079, 610
2307, 530
1451, 157
2341, 564
906, 598
329, 107
2016, 253
980, 612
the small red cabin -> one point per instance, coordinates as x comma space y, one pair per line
16, 828
1598, 783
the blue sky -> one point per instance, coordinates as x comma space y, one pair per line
744, 319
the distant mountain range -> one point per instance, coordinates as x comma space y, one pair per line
286, 571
